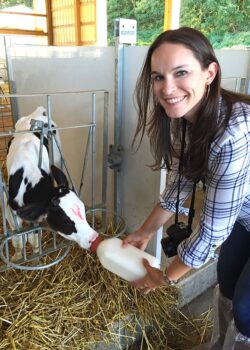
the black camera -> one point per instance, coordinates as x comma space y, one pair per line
176, 234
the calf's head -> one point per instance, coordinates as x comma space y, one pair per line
66, 213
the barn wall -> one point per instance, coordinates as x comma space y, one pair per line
50, 69
74, 22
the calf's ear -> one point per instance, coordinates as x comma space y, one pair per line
59, 176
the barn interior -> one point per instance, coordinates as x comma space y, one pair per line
62, 298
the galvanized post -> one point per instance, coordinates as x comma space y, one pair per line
50, 139
116, 149
93, 153
105, 149
125, 33
12, 84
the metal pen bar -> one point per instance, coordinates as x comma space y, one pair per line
41, 148
12, 133
105, 149
93, 144
119, 56
40, 242
84, 163
11, 81
50, 140
24, 235
54, 240
104, 160
2, 191
2, 203
13, 215
5, 192
67, 245
63, 163
54, 93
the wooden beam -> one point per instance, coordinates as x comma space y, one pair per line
88, 23
168, 14
65, 26
95, 4
22, 32
77, 5
49, 20
22, 13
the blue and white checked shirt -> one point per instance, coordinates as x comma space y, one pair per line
227, 195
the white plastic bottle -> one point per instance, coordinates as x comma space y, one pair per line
125, 262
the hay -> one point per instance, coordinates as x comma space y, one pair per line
77, 305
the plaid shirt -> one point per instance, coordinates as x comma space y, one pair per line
227, 194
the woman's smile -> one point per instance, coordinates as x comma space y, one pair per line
174, 100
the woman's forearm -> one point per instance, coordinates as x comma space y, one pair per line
156, 219
177, 269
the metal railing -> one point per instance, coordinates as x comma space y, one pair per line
52, 248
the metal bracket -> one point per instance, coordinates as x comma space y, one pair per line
114, 158
38, 125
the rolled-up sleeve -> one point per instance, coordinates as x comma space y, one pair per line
226, 187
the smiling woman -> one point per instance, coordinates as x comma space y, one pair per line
199, 131
179, 81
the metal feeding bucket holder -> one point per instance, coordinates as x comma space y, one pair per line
106, 223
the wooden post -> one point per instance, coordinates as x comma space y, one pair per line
168, 14
49, 22
77, 5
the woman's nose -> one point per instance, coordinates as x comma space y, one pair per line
168, 87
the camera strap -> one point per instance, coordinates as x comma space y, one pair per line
191, 209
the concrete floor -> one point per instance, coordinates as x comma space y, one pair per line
200, 304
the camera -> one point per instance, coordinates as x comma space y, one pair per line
176, 234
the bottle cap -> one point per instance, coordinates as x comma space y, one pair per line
95, 244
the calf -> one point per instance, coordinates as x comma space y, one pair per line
32, 193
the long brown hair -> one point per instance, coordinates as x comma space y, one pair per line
152, 118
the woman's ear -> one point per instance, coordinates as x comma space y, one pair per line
211, 72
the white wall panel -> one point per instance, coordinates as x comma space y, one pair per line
66, 69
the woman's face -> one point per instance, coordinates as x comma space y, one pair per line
179, 82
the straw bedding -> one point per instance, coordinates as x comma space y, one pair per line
77, 304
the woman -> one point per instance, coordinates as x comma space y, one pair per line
180, 85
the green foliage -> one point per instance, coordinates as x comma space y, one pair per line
9, 3
225, 23
148, 13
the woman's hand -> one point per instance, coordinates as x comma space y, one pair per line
154, 277
152, 280
155, 220
138, 239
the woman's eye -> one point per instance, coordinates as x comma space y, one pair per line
157, 77
181, 73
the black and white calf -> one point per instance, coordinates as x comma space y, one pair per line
32, 193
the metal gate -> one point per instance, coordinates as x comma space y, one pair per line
52, 247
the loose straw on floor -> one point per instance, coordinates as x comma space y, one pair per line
77, 304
